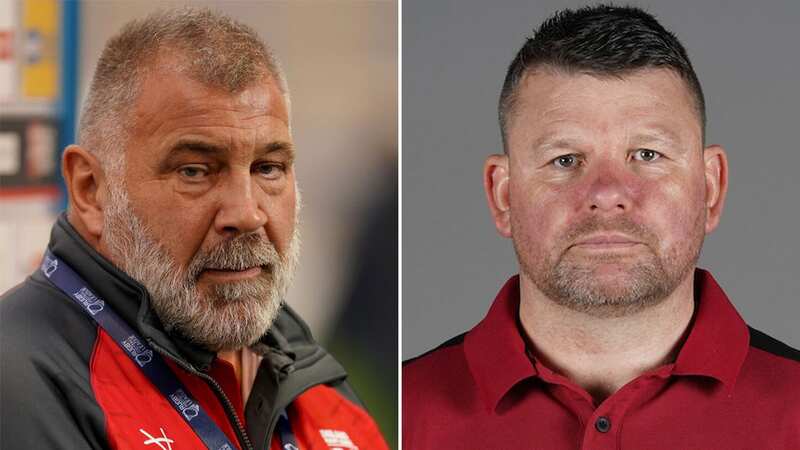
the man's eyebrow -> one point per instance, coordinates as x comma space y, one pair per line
279, 147
196, 146
657, 134
192, 147
647, 135
205, 148
553, 142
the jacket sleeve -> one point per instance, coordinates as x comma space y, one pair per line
46, 399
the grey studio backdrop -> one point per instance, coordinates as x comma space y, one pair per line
455, 54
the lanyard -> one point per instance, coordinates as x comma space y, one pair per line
288, 441
149, 361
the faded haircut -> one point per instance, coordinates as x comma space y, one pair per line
203, 45
601, 40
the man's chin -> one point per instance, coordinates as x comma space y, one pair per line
610, 269
251, 290
227, 316
600, 299
608, 287
233, 325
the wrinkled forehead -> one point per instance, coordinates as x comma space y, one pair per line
166, 93
175, 66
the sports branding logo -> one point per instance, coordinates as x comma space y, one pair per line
91, 302
337, 440
163, 442
187, 407
140, 353
49, 265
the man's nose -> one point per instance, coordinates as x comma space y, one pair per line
241, 206
610, 189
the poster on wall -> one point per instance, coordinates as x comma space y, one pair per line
40, 154
40, 31
28, 153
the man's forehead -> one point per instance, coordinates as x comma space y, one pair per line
263, 92
651, 97
167, 94
548, 83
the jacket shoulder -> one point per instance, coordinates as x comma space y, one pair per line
37, 318
45, 351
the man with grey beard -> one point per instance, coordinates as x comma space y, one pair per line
609, 337
251, 305
157, 318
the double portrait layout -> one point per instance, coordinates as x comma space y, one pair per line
374, 225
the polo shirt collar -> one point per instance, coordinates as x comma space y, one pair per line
496, 353
718, 341
495, 349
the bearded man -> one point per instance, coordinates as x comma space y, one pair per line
609, 338
157, 316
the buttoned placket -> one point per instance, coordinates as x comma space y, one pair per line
602, 424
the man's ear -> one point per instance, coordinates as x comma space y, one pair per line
85, 182
495, 183
716, 173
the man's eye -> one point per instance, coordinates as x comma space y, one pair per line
644, 154
566, 161
194, 172
270, 170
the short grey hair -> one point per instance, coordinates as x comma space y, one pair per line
204, 45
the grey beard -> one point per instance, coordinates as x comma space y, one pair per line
233, 315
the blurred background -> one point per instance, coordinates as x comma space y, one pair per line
340, 59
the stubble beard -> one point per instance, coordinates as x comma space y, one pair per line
575, 282
228, 316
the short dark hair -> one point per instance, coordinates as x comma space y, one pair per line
601, 40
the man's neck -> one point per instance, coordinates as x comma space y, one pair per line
234, 358
602, 354
245, 364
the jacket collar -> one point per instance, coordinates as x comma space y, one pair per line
715, 347
127, 297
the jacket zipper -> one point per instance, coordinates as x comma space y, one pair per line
241, 433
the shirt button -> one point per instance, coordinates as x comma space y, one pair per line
602, 424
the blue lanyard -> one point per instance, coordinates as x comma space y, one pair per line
149, 361
288, 441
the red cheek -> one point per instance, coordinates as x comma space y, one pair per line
540, 210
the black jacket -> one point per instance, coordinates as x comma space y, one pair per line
47, 346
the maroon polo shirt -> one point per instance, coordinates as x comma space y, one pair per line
731, 387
